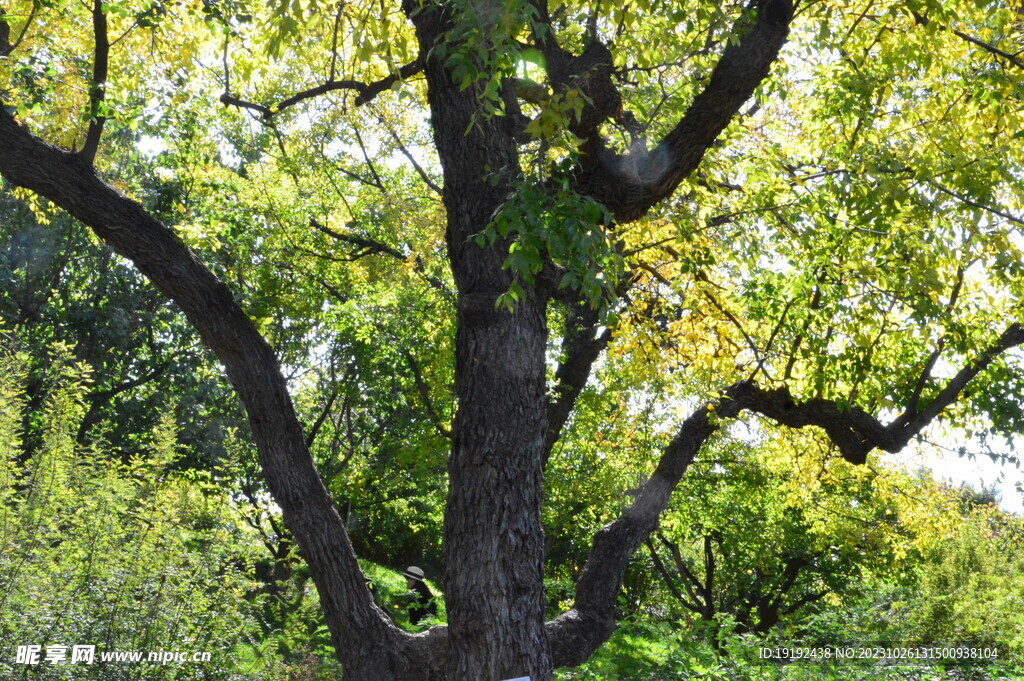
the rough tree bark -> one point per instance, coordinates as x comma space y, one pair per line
494, 589
505, 425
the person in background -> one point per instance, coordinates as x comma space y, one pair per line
422, 602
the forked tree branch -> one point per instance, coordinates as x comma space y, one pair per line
314, 430
578, 632
6, 46
630, 184
913, 421
575, 634
700, 591
669, 580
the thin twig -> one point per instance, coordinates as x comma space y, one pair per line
424, 390
975, 204
1012, 58
412, 160
366, 91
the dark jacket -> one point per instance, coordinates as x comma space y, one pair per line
421, 603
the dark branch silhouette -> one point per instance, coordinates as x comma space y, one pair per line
365, 92
98, 88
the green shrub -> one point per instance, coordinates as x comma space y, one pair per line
126, 554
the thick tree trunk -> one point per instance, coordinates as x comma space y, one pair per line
493, 534
494, 543
493, 537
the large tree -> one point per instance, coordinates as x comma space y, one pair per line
867, 283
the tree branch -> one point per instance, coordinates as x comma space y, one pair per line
6, 46
974, 204
377, 181
851, 429
709, 569
98, 89
424, 391
372, 247
912, 422
575, 634
99, 398
369, 246
5, 35
358, 627
334, 40
314, 430
581, 346
629, 185
790, 574
929, 365
408, 155
992, 49
804, 600
666, 576
698, 591
366, 92
732, 318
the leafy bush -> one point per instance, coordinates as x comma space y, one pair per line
123, 553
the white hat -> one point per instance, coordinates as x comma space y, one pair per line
413, 572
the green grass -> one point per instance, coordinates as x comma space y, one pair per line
654, 652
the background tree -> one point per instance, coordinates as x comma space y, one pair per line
60, 286
763, 537
846, 263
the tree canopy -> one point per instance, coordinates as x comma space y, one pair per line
496, 257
